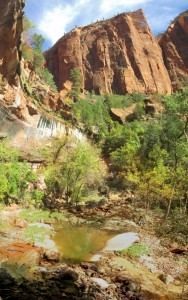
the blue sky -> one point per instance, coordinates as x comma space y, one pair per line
53, 18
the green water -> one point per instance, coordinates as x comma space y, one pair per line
78, 244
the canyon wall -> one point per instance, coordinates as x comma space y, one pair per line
174, 44
119, 55
10, 38
27, 103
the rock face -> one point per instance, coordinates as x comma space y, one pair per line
174, 44
22, 91
119, 55
10, 37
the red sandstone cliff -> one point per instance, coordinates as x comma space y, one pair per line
10, 37
119, 55
22, 91
174, 44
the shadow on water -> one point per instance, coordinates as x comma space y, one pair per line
78, 244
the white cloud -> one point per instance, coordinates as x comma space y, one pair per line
109, 5
54, 22
54, 18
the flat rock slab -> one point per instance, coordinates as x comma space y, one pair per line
20, 253
121, 241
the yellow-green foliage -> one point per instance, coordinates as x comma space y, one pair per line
136, 250
75, 172
14, 175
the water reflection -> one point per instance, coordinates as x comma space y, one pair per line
80, 244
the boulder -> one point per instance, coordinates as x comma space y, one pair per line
52, 256
121, 241
21, 223
101, 282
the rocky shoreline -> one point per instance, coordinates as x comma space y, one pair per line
31, 272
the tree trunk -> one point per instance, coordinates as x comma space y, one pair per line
169, 203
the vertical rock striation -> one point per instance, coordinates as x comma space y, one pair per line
21, 118
174, 44
10, 37
119, 55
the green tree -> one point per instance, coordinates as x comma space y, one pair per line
28, 27
76, 171
76, 78
32, 44
37, 43
14, 175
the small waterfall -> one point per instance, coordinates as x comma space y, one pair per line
38, 128
49, 127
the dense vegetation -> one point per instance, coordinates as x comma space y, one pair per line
72, 171
149, 154
32, 44
15, 176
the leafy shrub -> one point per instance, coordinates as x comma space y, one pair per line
75, 173
76, 78
47, 77
27, 52
136, 250
174, 228
38, 196
14, 175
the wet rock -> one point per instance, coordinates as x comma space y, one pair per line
52, 256
101, 282
86, 266
68, 274
96, 257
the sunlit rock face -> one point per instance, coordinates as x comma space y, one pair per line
21, 118
119, 55
10, 37
174, 44
39, 127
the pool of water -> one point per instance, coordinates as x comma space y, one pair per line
78, 244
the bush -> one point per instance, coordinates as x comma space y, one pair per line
75, 173
14, 175
38, 197
136, 250
174, 228
47, 77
